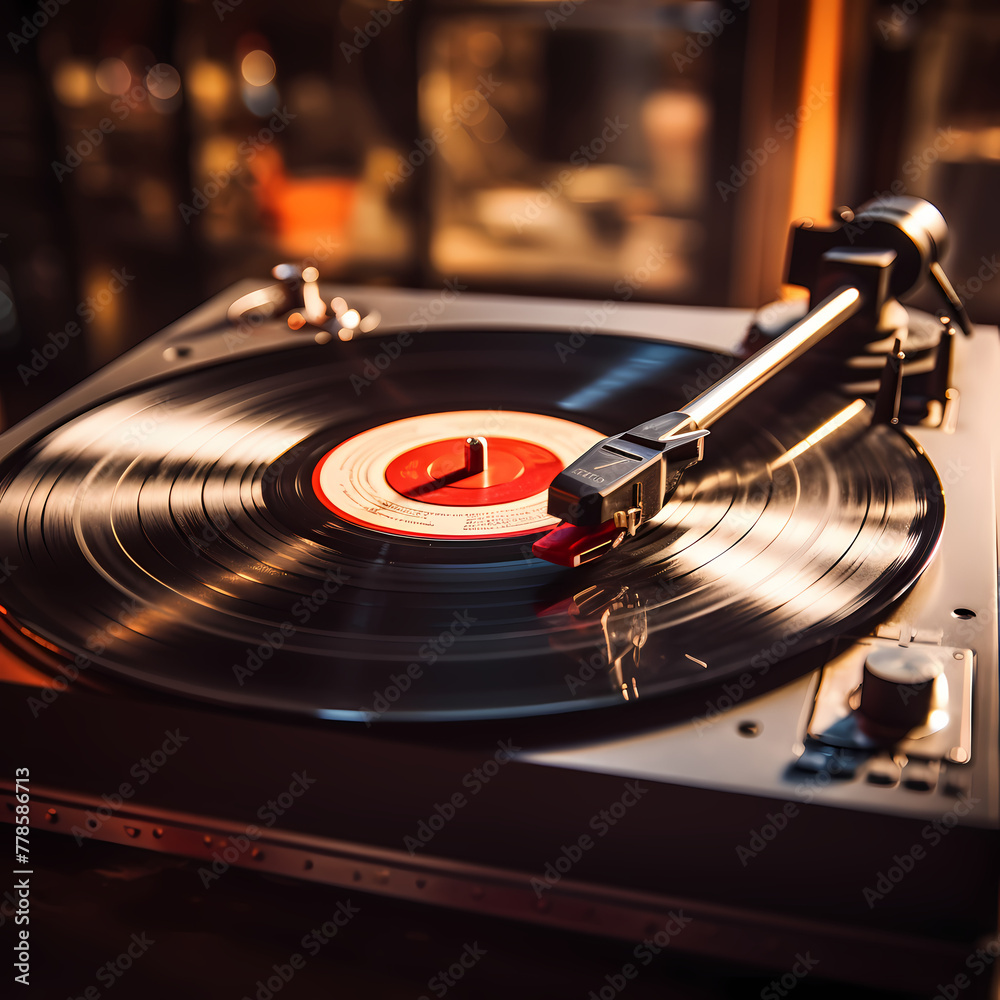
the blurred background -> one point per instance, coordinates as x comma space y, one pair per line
151, 154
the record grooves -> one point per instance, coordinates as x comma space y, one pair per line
175, 537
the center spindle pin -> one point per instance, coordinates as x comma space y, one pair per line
475, 455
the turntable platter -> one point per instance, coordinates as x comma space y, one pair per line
190, 536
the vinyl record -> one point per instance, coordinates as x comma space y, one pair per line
272, 532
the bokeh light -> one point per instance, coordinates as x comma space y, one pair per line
113, 76
73, 82
210, 86
258, 68
163, 81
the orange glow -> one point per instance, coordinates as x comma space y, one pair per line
74, 83
485, 48
210, 86
304, 209
816, 148
113, 76
836, 421
258, 68
106, 329
13, 671
41, 642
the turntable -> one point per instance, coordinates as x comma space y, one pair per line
582, 619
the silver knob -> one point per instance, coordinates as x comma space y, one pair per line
897, 690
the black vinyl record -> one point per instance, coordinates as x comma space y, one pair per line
174, 536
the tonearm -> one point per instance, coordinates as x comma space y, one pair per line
854, 270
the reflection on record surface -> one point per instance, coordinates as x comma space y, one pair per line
175, 536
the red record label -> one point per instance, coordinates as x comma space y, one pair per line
436, 472
418, 476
